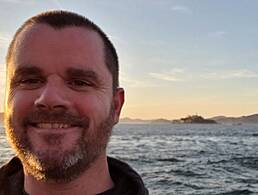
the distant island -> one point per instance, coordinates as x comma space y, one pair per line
191, 119
195, 119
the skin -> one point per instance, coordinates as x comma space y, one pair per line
58, 59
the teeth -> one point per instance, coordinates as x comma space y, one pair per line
52, 125
56, 125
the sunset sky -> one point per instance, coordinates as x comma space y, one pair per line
177, 57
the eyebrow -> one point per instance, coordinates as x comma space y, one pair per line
81, 73
70, 72
28, 71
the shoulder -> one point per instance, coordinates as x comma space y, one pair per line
11, 176
125, 177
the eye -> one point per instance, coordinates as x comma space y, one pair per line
30, 83
79, 83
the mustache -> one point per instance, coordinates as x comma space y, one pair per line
55, 117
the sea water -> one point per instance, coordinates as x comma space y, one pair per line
185, 159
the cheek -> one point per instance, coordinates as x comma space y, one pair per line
21, 102
95, 107
18, 105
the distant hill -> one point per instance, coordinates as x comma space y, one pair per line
187, 120
161, 120
130, 120
251, 119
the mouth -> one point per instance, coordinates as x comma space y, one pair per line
52, 125
55, 120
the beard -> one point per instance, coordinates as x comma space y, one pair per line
59, 165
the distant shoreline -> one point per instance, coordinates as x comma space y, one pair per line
250, 119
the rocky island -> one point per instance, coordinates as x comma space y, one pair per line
194, 119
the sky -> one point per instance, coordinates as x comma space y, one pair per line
177, 57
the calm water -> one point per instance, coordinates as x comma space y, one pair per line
186, 159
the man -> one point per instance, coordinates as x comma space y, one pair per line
62, 100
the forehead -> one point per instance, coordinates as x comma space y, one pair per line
43, 45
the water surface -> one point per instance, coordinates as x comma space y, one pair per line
186, 159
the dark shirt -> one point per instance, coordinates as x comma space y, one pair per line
126, 180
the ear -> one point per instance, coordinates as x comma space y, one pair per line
118, 100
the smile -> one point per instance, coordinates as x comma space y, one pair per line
52, 125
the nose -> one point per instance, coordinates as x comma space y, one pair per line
52, 97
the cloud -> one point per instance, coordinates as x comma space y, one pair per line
129, 81
133, 83
4, 38
12, 1
181, 9
4, 41
231, 74
2, 74
18, 1
217, 34
174, 75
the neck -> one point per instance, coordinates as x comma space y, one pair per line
94, 180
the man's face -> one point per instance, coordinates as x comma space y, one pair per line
60, 107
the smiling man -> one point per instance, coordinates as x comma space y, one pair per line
62, 101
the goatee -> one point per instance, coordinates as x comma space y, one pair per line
59, 165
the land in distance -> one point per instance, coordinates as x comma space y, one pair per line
250, 119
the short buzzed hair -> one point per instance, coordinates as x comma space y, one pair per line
59, 19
